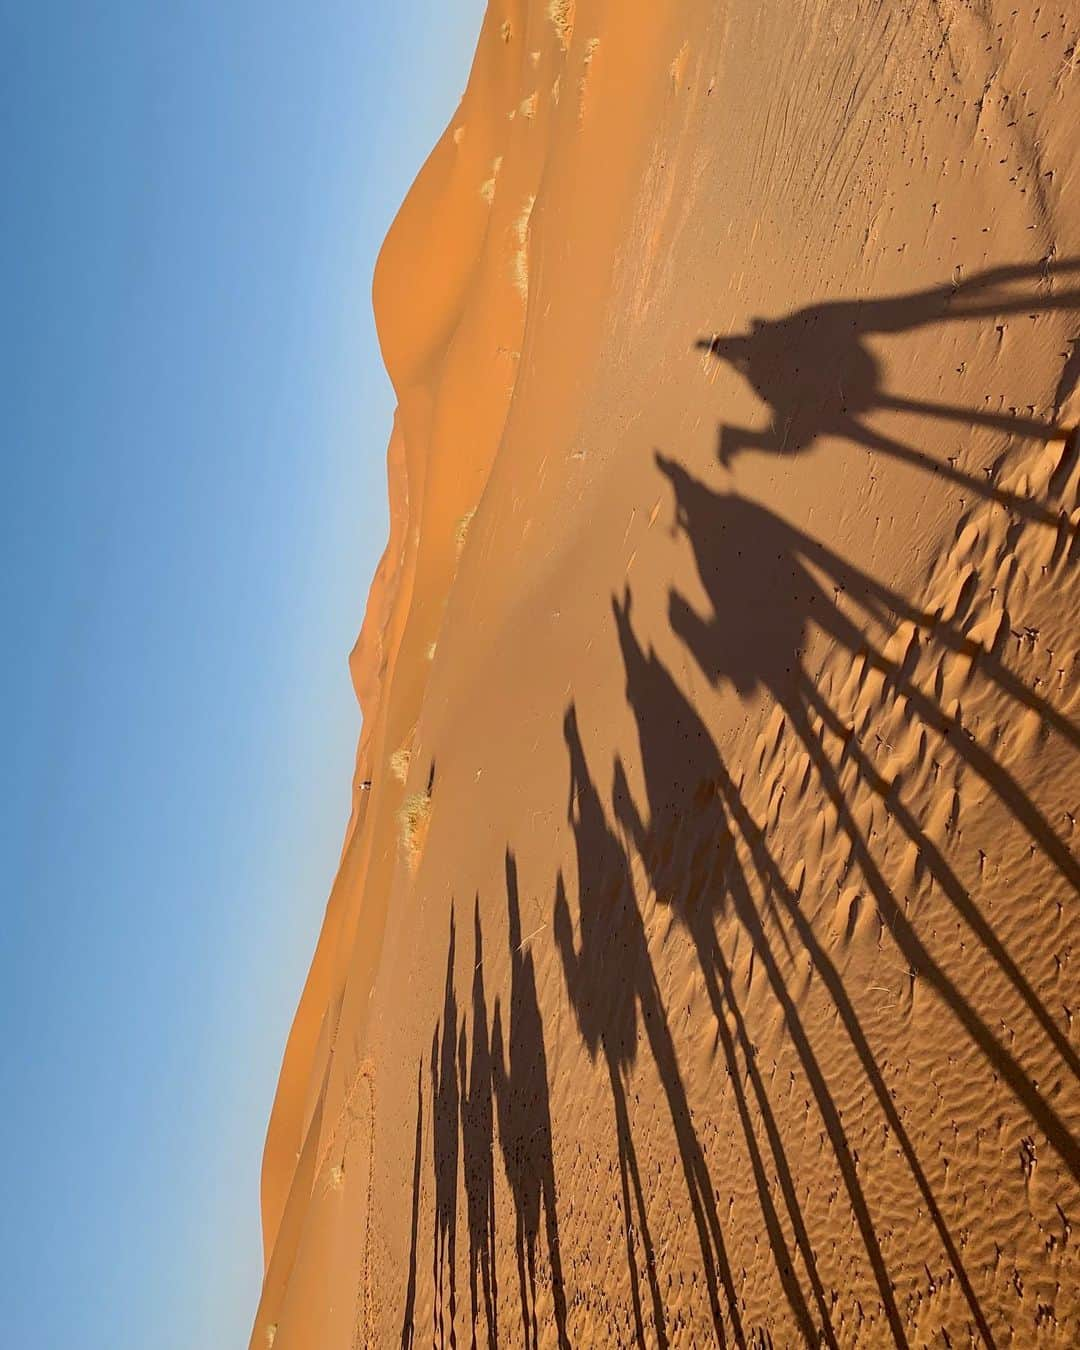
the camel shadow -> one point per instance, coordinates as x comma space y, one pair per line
601, 983
408, 1330
491, 1078
519, 1073
445, 1104
611, 982
476, 1072
815, 371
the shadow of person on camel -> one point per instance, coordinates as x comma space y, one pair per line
818, 376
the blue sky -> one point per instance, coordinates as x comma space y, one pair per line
194, 428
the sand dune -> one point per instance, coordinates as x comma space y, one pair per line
702, 963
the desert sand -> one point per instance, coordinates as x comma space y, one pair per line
703, 965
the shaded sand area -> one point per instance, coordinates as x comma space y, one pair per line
704, 960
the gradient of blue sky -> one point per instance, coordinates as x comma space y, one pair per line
194, 427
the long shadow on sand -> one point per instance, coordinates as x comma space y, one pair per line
476, 1071
687, 840
521, 1094
611, 981
498, 1076
445, 1100
815, 371
407, 1323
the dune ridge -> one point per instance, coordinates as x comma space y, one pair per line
700, 966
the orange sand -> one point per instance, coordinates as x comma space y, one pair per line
702, 964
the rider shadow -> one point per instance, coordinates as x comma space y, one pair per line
472, 1086
761, 578
408, 1330
476, 1071
445, 1115
604, 1004
519, 1075
819, 378
688, 847
688, 838
610, 980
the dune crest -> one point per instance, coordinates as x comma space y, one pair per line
702, 961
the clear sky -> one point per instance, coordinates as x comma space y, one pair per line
194, 428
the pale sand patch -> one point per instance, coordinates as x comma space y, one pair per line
487, 188
561, 14
520, 262
413, 819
